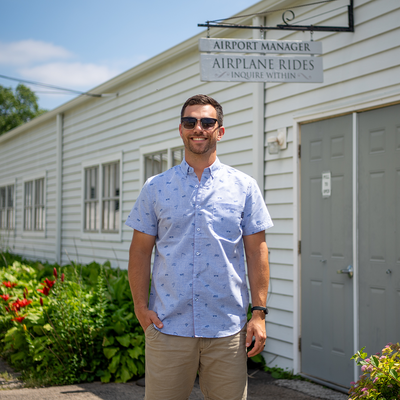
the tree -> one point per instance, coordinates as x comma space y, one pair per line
17, 107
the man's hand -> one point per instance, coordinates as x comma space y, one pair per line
256, 328
147, 317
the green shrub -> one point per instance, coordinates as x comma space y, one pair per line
380, 378
70, 324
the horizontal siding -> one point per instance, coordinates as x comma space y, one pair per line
21, 158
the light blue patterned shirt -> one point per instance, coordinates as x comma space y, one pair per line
199, 285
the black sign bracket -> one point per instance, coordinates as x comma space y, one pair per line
288, 16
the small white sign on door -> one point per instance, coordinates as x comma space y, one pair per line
326, 184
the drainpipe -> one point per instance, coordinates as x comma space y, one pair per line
59, 170
258, 120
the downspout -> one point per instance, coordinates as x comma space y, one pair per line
258, 121
59, 173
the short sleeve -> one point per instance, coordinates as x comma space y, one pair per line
256, 217
142, 217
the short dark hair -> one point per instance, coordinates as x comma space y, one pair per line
204, 99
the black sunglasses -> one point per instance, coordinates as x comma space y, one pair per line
206, 123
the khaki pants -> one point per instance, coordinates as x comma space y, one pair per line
172, 363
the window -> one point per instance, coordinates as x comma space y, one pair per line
159, 157
101, 198
110, 199
91, 199
155, 163
7, 207
34, 205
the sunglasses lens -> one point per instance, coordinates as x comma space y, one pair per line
208, 123
189, 123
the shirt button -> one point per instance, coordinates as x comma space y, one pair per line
198, 229
197, 254
196, 186
196, 299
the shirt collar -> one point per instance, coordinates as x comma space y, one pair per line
213, 168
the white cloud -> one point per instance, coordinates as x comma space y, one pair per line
26, 52
70, 75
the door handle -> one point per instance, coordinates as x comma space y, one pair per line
348, 270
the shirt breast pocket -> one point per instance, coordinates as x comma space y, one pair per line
227, 220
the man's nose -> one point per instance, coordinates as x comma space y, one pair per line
198, 127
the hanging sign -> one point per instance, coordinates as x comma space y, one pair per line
326, 184
246, 68
259, 46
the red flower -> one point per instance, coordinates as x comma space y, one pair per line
24, 302
49, 283
62, 277
41, 301
55, 272
15, 306
19, 319
9, 284
7, 309
5, 297
45, 291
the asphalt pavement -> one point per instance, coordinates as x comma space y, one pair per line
261, 387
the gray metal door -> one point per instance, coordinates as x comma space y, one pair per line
379, 227
326, 247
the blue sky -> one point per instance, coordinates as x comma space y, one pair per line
80, 44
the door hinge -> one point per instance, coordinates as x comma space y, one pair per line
300, 344
299, 247
299, 150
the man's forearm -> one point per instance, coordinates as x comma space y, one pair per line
258, 273
139, 277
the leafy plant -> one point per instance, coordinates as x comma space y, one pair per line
70, 324
381, 374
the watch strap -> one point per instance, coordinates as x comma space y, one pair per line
265, 309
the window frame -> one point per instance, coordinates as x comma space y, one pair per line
10, 182
168, 145
98, 235
33, 178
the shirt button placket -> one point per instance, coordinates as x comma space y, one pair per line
197, 260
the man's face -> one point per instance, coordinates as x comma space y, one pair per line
199, 140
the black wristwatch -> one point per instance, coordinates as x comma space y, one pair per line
265, 309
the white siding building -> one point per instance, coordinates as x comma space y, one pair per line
69, 178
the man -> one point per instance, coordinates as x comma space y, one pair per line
198, 215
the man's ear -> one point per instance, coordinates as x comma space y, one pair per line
180, 130
221, 132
